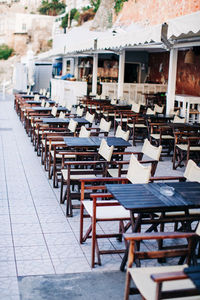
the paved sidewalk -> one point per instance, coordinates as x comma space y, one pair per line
35, 236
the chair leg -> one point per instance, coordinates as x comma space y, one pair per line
93, 241
127, 285
61, 190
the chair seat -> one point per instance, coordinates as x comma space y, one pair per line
184, 147
107, 212
109, 114
78, 176
119, 119
137, 126
114, 173
156, 136
52, 143
60, 156
148, 290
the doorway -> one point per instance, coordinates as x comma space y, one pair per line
131, 73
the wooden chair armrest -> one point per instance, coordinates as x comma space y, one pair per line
102, 179
168, 276
157, 235
180, 178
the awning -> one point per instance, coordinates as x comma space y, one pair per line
133, 37
185, 26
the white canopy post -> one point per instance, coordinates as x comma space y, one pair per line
120, 89
94, 74
76, 67
171, 80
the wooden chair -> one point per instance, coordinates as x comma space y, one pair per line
160, 282
148, 150
186, 146
71, 172
57, 145
162, 134
177, 119
122, 134
139, 128
100, 210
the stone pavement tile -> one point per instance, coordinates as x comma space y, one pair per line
22, 209
8, 269
56, 227
6, 240
6, 253
60, 239
54, 218
28, 240
23, 218
26, 228
71, 265
9, 288
31, 253
5, 228
65, 251
56, 209
35, 267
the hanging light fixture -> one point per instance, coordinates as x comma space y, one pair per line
189, 57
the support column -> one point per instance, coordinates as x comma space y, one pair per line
171, 80
94, 74
120, 88
76, 68
64, 66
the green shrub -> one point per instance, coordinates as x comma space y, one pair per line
5, 51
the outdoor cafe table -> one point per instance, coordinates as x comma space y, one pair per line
40, 109
32, 96
194, 274
59, 121
32, 102
146, 199
95, 142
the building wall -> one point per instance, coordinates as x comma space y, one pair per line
151, 12
188, 75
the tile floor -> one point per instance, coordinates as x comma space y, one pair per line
35, 236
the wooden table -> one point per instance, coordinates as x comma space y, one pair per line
59, 121
95, 142
194, 274
32, 102
146, 199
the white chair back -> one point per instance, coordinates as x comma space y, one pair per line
158, 109
47, 104
44, 92
150, 111
84, 132
177, 119
192, 171
41, 91
43, 103
105, 151
68, 106
105, 125
54, 111
48, 95
198, 229
137, 173
61, 115
89, 117
122, 134
36, 97
72, 125
79, 111
135, 107
151, 151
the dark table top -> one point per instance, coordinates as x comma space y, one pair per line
39, 108
142, 198
194, 274
111, 141
81, 121
94, 142
184, 125
159, 117
39, 102
32, 96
